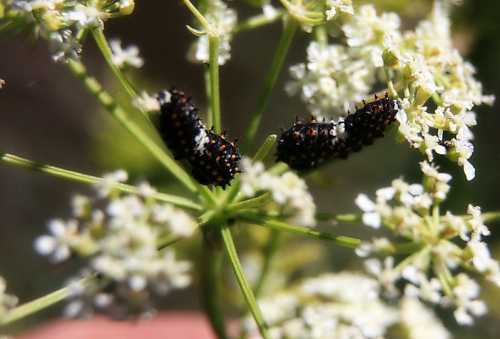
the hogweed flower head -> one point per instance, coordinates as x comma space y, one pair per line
119, 234
63, 22
419, 66
327, 306
426, 63
330, 80
289, 193
446, 244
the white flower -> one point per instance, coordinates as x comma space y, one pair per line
328, 306
370, 216
223, 19
288, 191
84, 16
331, 79
466, 291
425, 62
368, 32
478, 228
120, 237
436, 183
269, 11
446, 243
109, 181
334, 7
128, 56
58, 245
420, 322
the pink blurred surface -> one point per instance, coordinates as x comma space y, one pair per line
173, 325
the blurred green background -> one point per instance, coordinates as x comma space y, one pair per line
47, 115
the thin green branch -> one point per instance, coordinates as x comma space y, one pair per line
243, 282
213, 43
277, 64
348, 218
279, 168
270, 250
206, 25
211, 272
93, 86
39, 304
102, 43
258, 21
265, 148
341, 240
14, 160
206, 77
491, 217
250, 203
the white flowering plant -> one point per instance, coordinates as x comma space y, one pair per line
125, 236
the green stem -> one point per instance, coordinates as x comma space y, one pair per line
214, 82
199, 16
340, 240
93, 86
256, 22
269, 253
206, 76
39, 304
243, 282
279, 168
491, 217
250, 203
211, 272
266, 147
103, 45
349, 218
277, 64
27, 164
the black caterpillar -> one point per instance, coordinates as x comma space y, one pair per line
306, 145
213, 159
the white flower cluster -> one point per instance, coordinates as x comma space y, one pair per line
417, 65
337, 75
419, 322
62, 22
288, 192
7, 301
443, 244
120, 240
123, 57
334, 7
223, 19
327, 307
146, 102
331, 79
424, 64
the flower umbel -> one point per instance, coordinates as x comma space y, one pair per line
120, 241
443, 244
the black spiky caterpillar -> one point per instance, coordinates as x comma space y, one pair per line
306, 145
213, 159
